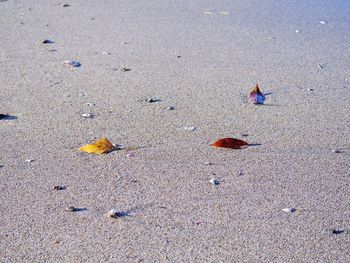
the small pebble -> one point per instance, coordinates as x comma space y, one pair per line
152, 100
1, 165
190, 128
29, 160
87, 115
310, 89
113, 213
289, 210
72, 63
130, 155
124, 43
71, 209
297, 31
170, 108
106, 53
336, 151
215, 181
207, 13
91, 104
65, 5
320, 65
3, 116
208, 163
240, 173
224, 13
59, 187
323, 22
125, 69
48, 41
337, 231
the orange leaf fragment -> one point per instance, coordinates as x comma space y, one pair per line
230, 143
101, 146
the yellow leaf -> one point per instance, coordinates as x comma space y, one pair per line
101, 146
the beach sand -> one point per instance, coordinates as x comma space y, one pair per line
202, 58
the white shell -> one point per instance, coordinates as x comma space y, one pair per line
289, 210
323, 22
86, 115
214, 181
113, 213
72, 63
189, 128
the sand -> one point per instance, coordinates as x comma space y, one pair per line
202, 57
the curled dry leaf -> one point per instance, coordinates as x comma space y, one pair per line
101, 146
230, 143
256, 96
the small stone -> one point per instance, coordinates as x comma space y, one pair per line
215, 181
29, 160
178, 56
320, 65
323, 22
1, 165
289, 210
130, 155
3, 116
71, 209
170, 108
87, 115
337, 231
48, 41
297, 31
106, 53
91, 104
336, 151
72, 63
190, 128
152, 100
65, 5
125, 69
208, 163
310, 89
240, 173
124, 43
59, 187
113, 213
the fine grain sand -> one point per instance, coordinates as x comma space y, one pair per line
202, 57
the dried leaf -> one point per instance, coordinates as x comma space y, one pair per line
256, 96
101, 146
230, 143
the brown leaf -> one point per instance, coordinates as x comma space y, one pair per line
230, 143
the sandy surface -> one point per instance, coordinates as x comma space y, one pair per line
173, 213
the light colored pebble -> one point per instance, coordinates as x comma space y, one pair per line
170, 108
215, 181
335, 151
323, 22
113, 213
87, 115
72, 63
71, 209
190, 128
208, 163
29, 160
297, 31
289, 210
